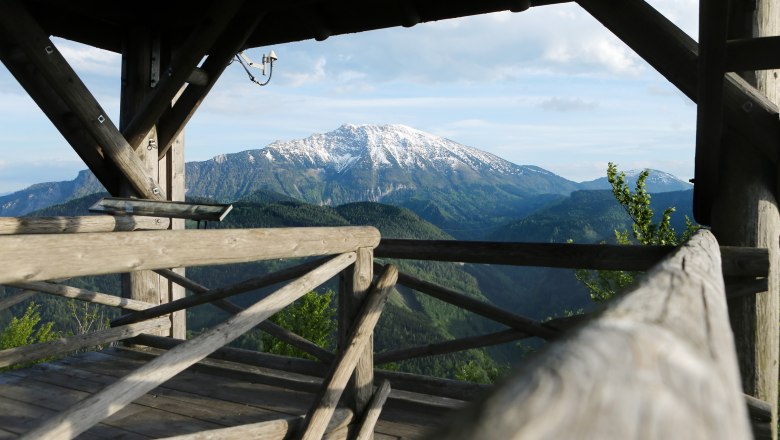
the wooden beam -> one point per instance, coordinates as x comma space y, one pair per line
61, 117
116, 396
22, 31
659, 363
479, 307
69, 344
674, 55
29, 257
737, 261
713, 31
761, 53
360, 279
283, 428
82, 224
371, 416
83, 295
469, 343
230, 42
341, 370
182, 66
16, 298
155, 208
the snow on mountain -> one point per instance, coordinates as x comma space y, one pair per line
657, 182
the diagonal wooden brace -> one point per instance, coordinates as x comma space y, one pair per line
21, 30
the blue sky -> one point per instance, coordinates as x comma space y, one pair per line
547, 87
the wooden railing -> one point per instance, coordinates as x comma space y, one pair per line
682, 293
30, 260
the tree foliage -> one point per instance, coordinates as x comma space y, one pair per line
603, 285
26, 330
313, 316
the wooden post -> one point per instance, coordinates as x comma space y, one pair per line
357, 286
139, 53
746, 214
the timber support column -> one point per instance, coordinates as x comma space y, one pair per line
745, 213
143, 60
351, 297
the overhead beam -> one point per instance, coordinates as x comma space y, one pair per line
674, 55
230, 42
21, 30
60, 115
183, 65
761, 53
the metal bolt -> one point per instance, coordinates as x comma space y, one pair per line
101, 119
156, 191
49, 50
747, 107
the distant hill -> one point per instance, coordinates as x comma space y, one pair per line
657, 182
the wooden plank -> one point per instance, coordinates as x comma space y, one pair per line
175, 181
114, 397
29, 257
374, 409
155, 208
271, 430
363, 377
479, 307
659, 363
16, 298
737, 261
341, 370
752, 54
22, 30
227, 45
57, 347
83, 295
80, 224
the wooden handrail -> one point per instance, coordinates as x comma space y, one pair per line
81, 224
28, 257
83, 295
737, 261
659, 359
116, 396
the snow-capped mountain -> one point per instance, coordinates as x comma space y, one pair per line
367, 162
657, 182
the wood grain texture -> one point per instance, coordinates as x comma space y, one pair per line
280, 429
737, 261
34, 352
658, 363
348, 357
84, 295
374, 409
111, 399
89, 223
363, 377
29, 257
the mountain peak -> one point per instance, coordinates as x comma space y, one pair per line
657, 182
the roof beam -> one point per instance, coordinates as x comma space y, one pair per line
184, 63
230, 42
675, 55
761, 53
22, 31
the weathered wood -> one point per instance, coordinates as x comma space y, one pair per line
114, 397
280, 429
752, 54
29, 257
434, 386
341, 370
469, 342
14, 299
479, 307
374, 409
22, 30
83, 295
659, 363
363, 377
38, 88
737, 287
186, 59
737, 261
82, 224
157, 208
34, 352
210, 295
230, 42
760, 414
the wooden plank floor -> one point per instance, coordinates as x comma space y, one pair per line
209, 395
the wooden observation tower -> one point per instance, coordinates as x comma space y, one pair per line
692, 352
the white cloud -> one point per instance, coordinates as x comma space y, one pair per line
89, 60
